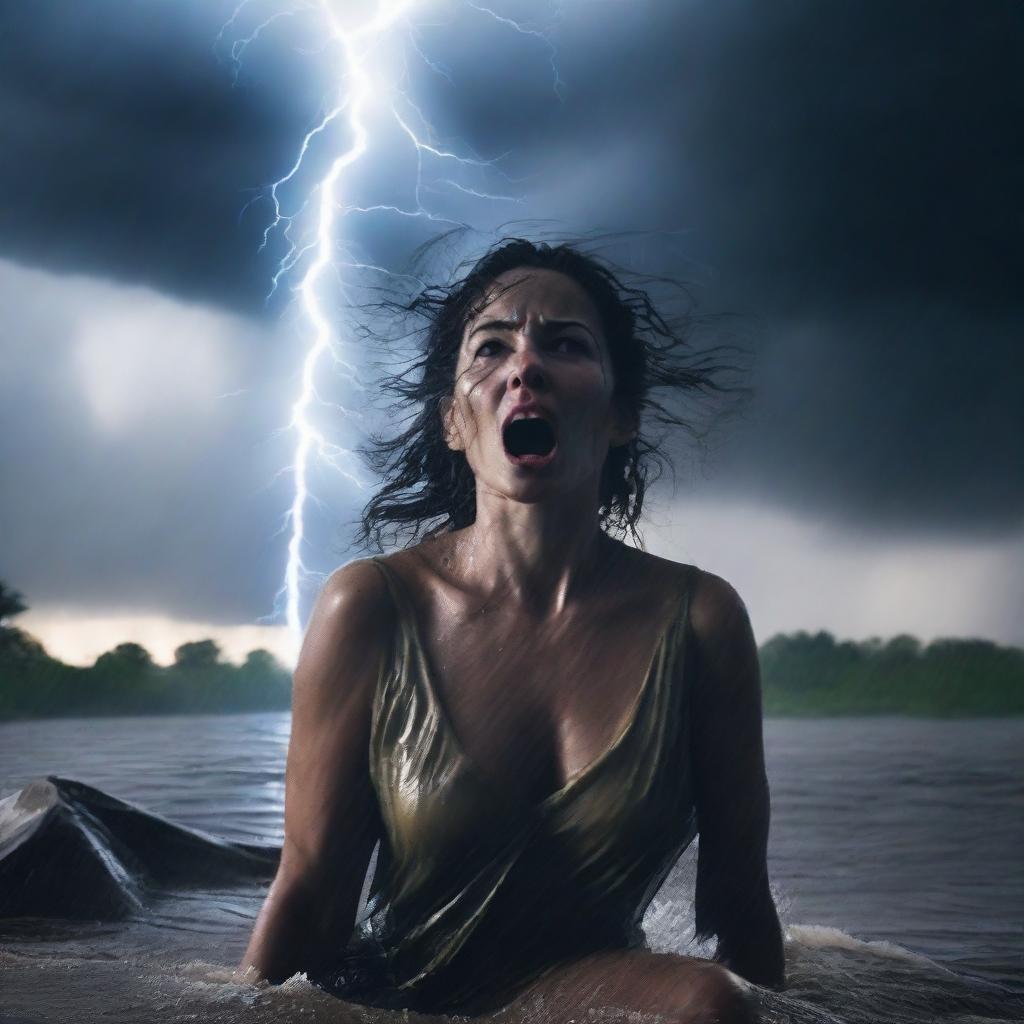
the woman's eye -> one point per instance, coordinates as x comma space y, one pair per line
491, 347
569, 344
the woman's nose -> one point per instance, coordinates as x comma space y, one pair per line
526, 371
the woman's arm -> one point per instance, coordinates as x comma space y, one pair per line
733, 900
331, 822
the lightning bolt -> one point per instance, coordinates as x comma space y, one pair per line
363, 99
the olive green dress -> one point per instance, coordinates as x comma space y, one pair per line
478, 891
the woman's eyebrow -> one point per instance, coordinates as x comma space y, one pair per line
512, 325
557, 325
494, 325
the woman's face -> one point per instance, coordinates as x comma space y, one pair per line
533, 405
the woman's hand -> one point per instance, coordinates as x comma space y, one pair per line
331, 822
733, 900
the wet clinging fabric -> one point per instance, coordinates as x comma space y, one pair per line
477, 890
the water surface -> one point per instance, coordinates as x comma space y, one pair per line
895, 856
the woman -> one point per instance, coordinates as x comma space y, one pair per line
532, 717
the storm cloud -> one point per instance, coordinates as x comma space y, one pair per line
842, 179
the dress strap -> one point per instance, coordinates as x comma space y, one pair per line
399, 595
410, 649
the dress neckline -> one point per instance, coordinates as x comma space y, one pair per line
576, 781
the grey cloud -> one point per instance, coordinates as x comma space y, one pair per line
845, 177
130, 152
901, 417
172, 509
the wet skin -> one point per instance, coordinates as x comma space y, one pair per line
539, 629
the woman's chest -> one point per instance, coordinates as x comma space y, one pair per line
494, 754
533, 705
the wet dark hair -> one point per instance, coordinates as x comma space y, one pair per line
429, 489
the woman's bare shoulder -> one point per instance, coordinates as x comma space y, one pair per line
348, 637
354, 612
716, 609
654, 572
357, 589
424, 566
725, 646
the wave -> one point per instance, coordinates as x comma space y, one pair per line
833, 976
826, 937
70, 851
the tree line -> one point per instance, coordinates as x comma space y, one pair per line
126, 680
802, 674
815, 674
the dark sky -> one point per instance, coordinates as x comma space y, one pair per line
843, 179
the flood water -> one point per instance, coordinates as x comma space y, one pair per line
896, 858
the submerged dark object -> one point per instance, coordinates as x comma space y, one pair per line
68, 850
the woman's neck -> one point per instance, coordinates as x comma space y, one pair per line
539, 555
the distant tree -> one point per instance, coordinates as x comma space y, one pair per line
123, 680
197, 654
19, 647
902, 648
261, 662
263, 682
955, 648
871, 646
129, 656
11, 603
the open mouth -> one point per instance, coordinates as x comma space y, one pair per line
529, 440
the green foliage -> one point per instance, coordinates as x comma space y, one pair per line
124, 659
19, 648
805, 674
802, 674
11, 603
201, 654
126, 681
